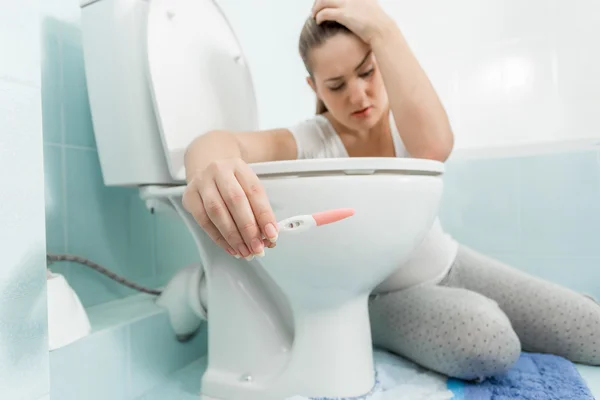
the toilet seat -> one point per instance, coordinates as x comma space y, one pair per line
319, 167
348, 166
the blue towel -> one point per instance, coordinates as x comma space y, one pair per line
533, 377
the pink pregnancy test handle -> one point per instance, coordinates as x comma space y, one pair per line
301, 223
331, 216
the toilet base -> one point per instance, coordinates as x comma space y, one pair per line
331, 356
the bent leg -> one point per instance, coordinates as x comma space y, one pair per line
548, 318
451, 331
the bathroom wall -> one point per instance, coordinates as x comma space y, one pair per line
111, 226
540, 213
512, 74
23, 329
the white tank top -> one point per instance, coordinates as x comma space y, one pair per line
316, 138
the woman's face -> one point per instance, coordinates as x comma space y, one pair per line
346, 78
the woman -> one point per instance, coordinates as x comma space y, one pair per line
449, 309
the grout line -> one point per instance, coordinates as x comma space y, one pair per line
61, 86
63, 160
75, 147
23, 82
518, 179
563, 257
64, 196
70, 146
129, 363
154, 246
598, 164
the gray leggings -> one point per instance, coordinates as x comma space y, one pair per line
475, 323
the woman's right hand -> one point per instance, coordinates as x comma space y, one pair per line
229, 202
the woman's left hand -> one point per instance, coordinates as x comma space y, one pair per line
363, 17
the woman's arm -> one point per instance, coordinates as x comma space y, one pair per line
419, 114
251, 147
225, 196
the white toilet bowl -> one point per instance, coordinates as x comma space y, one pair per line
295, 322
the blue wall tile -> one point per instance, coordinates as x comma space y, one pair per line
54, 191
78, 122
108, 225
560, 210
51, 82
175, 246
537, 213
72, 60
142, 240
480, 204
580, 274
152, 363
52, 113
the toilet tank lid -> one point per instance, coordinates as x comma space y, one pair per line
350, 166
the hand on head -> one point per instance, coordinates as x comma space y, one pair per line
363, 17
229, 202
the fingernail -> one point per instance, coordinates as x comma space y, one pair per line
271, 232
243, 250
231, 252
257, 246
250, 257
261, 254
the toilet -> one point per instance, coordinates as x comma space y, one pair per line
294, 322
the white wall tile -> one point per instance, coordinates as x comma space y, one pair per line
19, 41
23, 315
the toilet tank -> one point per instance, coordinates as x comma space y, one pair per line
159, 74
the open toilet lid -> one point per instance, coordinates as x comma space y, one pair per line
349, 166
197, 74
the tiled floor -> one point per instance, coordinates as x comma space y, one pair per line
185, 383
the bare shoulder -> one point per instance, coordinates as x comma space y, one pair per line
267, 145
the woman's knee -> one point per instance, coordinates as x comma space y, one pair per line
485, 346
459, 333
495, 357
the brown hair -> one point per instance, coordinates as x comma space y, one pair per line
314, 35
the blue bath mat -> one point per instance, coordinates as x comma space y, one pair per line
533, 377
